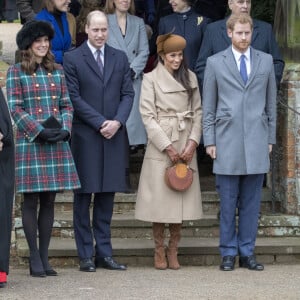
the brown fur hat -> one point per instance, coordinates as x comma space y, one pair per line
31, 31
170, 42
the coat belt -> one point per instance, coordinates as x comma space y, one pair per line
177, 122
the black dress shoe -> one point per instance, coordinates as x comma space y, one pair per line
51, 272
109, 263
227, 263
2, 284
250, 263
87, 265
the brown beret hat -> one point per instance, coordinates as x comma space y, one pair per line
169, 42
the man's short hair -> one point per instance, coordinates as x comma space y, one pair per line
238, 18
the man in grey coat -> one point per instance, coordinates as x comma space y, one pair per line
239, 129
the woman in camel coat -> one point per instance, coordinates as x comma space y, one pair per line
171, 111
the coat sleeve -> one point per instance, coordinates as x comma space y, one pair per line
196, 108
126, 93
271, 106
210, 99
82, 109
155, 133
25, 123
65, 105
26, 10
139, 62
205, 51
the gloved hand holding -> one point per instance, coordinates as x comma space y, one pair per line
61, 136
188, 151
48, 133
172, 153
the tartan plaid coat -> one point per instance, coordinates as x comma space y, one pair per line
32, 99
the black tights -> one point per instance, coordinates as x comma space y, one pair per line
42, 224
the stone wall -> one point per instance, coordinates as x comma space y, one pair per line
287, 150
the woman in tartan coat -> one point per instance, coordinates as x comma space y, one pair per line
36, 90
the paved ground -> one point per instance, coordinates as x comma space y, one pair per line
8, 37
276, 282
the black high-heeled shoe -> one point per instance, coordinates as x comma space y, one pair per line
51, 272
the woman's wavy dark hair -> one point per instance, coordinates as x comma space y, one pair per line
28, 62
182, 76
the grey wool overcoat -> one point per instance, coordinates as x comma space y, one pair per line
169, 117
239, 119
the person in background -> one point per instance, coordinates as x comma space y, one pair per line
171, 111
187, 23
7, 183
100, 86
216, 40
239, 130
28, 9
128, 33
86, 7
55, 12
42, 111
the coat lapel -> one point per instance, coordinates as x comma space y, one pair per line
255, 62
230, 63
90, 60
114, 26
109, 62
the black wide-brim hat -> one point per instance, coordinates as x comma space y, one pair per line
31, 31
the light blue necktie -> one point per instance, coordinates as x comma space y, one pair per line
243, 68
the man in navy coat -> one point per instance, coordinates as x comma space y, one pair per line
101, 91
216, 40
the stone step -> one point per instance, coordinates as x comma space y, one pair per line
126, 202
192, 251
125, 226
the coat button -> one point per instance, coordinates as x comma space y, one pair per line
38, 98
54, 97
55, 109
37, 85
52, 84
40, 110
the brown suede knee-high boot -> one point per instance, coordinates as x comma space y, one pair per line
175, 234
160, 261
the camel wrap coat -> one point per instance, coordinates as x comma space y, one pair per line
169, 118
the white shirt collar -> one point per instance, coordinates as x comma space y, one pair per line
93, 49
237, 54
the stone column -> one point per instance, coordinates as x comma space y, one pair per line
287, 158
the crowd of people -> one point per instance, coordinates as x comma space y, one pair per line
81, 100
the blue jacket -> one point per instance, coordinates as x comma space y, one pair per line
61, 42
189, 25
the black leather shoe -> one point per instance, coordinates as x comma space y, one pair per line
227, 263
87, 265
51, 272
109, 263
250, 263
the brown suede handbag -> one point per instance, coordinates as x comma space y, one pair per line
179, 177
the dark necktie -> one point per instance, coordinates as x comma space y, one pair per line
243, 68
99, 61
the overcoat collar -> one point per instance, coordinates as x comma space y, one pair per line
108, 61
166, 82
229, 61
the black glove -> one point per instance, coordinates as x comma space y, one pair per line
61, 136
48, 133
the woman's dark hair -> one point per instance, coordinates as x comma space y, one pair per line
28, 62
182, 76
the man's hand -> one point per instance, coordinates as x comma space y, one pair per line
109, 128
188, 151
212, 151
172, 153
